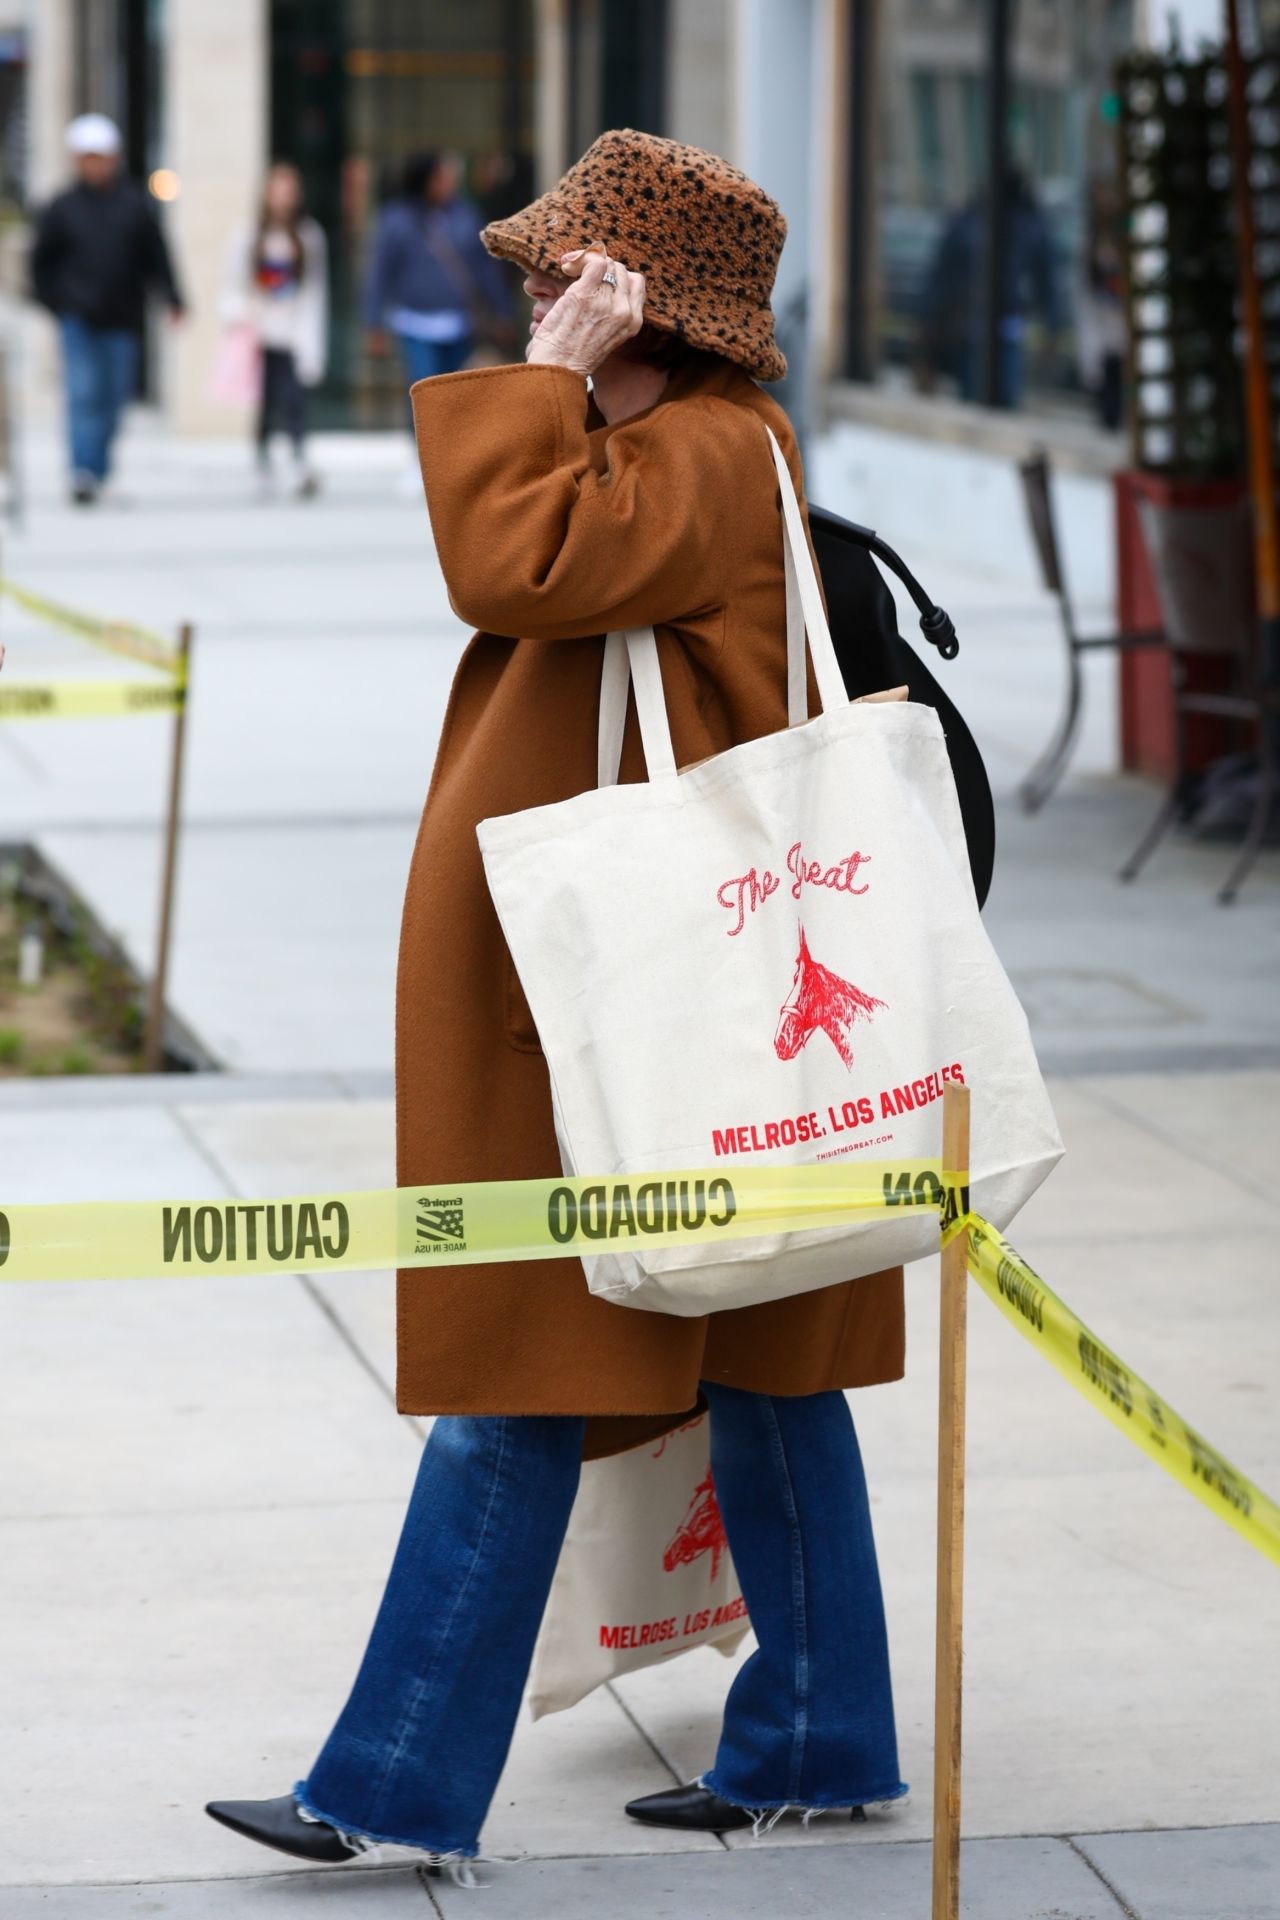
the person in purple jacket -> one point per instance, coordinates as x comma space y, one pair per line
430, 282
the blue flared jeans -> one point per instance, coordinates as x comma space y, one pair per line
417, 1750
100, 369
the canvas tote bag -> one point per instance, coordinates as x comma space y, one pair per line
774, 956
645, 1571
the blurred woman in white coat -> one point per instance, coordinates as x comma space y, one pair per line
276, 297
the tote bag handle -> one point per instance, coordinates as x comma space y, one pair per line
631, 657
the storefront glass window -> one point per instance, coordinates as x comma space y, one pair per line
357, 87
1059, 326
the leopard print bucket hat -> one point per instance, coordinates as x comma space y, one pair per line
706, 238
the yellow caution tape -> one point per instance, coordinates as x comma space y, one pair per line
463, 1225
471, 1223
1117, 1391
87, 699
117, 636
953, 1204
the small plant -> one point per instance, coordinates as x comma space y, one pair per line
80, 1011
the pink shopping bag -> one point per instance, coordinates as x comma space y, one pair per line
235, 378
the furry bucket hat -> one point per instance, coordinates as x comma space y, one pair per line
706, 238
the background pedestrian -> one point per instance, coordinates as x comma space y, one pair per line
952, 317
276, 297
98, 252
430, 284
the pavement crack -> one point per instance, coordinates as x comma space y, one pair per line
1118, 1560
202, 1148
357, 1352
27, 760
651, 1743
1130, 1913
423, 1878
305, 1280
643, 1731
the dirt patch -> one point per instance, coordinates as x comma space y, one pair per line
82, 1015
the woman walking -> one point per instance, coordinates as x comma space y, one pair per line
563, 511
276, 292
430, 284
429, 279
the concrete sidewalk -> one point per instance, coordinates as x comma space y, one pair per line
325, 647
1216, 1873
201, 1485
204, 1481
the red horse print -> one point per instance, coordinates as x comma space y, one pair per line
820, 1000
701, 1531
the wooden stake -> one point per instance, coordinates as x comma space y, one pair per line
949, 1652
152, 1045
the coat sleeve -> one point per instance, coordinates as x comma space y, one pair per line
237, 278
535, 544
47, 255
312, 349
159, 262
381, 274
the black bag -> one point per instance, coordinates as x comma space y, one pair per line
873, 655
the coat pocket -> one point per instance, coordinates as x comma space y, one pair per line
521, 1032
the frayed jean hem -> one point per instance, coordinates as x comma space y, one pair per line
863, 1799
440, 1855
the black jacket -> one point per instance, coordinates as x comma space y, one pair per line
98, 250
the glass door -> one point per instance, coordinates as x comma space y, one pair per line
357, 86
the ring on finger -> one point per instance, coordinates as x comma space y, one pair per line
609, 279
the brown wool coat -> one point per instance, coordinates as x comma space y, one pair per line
556, 528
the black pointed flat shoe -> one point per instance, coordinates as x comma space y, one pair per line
282, 1825
692, 1809
696, 1809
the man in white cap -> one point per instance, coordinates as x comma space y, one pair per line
98, 252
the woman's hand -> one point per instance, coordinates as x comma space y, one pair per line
603, 307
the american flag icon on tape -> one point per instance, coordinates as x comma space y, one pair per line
439, 1219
